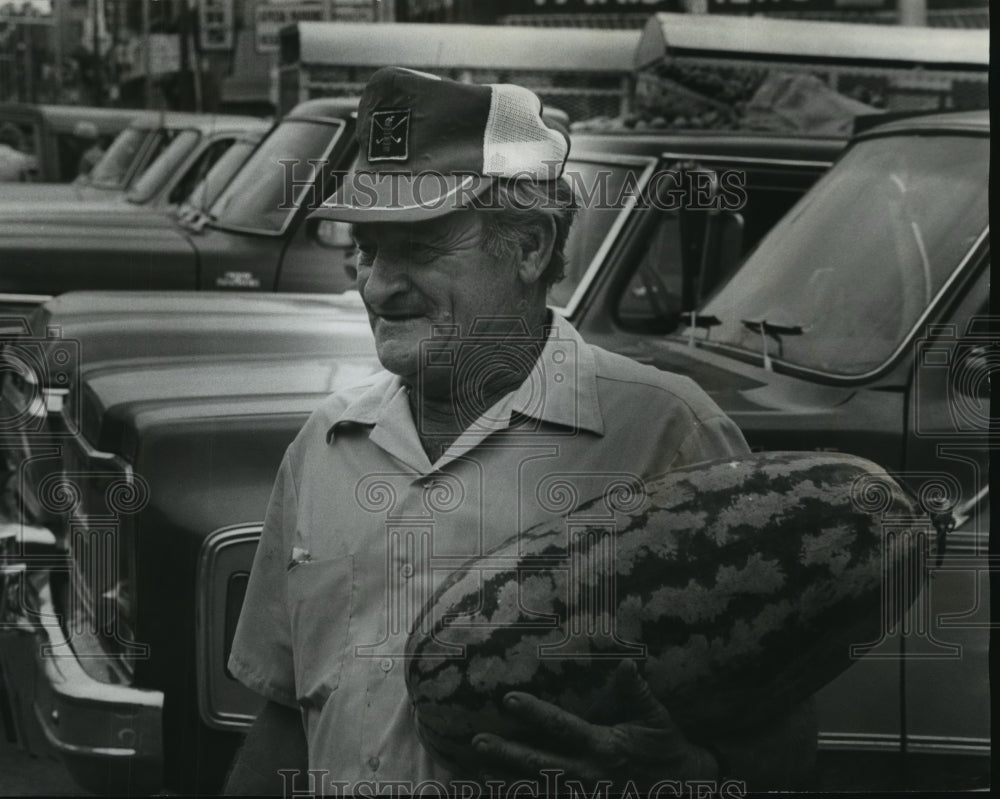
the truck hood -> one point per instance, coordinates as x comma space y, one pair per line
138, 350
138, 328
70, 213
11, 194
740, 388
122, 404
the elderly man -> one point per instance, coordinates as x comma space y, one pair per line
460, 217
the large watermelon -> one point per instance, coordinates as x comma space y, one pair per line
738, 587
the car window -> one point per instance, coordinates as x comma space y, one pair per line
656, 293
69, 148
271, 185
161, 170
841, 281
653, 295
199, 168
114, 167
212, 182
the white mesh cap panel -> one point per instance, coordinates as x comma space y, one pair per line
517, 142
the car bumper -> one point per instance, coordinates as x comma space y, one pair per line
109, 736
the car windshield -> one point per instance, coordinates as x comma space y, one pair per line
267, 190
163, 168
841, 281
208, 188
113, 168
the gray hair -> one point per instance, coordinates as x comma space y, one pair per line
517, 210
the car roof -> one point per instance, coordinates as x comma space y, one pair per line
206, 123
65, 117
321, 107
670, 34
951, 122
747, 144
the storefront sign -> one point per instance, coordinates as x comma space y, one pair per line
26, 12
590, 6
763, 6
215, 29
272, 17
164, 55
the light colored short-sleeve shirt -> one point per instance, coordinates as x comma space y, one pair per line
362, 527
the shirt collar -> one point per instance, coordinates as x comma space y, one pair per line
368, 408
561, 390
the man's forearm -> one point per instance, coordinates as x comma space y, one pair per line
778, 756
276, 742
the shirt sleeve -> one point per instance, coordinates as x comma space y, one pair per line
261, 656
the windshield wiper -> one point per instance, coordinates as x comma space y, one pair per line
766, 329
704, 321
194, 219
200, 219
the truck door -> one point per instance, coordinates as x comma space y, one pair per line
948, 450
318, 257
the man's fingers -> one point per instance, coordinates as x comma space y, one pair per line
565, 729
633, 692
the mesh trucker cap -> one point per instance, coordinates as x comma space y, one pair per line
428, 146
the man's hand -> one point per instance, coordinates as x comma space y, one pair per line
645, 749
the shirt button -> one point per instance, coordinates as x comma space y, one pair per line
406, 570
373, 763
386, 666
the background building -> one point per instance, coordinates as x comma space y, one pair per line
222, 54
633, 13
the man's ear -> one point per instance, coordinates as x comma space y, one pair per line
536, 250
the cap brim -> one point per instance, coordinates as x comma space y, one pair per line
400, 197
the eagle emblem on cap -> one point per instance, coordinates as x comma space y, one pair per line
390, 135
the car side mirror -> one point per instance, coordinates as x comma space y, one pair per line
711, 236
334, 234
721, 253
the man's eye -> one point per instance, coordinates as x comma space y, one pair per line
423, 251
365, 252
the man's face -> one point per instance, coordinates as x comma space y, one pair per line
413, 276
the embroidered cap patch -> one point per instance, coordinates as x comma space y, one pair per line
390, 135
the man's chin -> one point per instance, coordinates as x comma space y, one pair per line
402, 361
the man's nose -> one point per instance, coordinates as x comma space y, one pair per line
384, 278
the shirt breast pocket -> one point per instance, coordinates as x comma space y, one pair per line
319, 596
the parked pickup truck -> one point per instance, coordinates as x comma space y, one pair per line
240, 241
144, 431
48, 135
252, 236
178, 157
150, 160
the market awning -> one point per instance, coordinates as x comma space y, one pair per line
713, 35
486, 47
